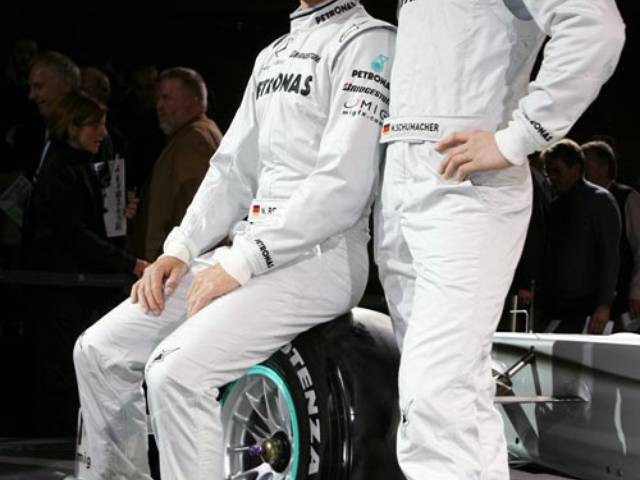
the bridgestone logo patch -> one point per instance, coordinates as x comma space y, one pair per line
305, 55
350, 87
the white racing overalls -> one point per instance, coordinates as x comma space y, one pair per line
446, 249
301, 159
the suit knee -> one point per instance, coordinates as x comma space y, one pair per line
159, 371
170, 373
92, 352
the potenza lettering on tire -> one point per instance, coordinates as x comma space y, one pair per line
311, 396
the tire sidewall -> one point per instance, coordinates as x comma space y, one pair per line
303, 372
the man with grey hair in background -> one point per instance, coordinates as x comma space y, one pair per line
192, 138
51, 76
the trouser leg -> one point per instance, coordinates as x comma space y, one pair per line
392, 255
109, 359
233, 333
465, 241
493, 448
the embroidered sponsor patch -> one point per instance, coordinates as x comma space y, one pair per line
265, 211
265, 253
379, 63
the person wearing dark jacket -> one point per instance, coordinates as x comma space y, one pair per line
68, 227
528, 284
192, 138
601, 168
66, 233
584, 234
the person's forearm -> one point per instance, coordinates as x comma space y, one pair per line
586, 40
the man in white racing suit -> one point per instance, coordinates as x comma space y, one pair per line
300, 159
456, 199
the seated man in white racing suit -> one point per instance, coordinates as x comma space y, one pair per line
302, 158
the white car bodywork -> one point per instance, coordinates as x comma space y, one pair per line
574, 405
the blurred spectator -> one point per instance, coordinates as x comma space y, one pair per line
20, 55
601, 169
192, 138
115, 145
116, 78
52, 75
67, 234
527, 281
608, 139
584, 233
16, 108
16, 111
135, 114
96, 83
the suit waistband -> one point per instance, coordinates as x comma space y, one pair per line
420, 129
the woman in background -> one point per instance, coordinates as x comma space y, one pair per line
66, 233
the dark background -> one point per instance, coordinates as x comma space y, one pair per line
221, 39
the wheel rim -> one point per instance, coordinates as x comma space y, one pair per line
261, 434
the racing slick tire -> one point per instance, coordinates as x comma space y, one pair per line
323, 407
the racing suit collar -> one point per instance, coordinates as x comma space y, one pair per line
324, 12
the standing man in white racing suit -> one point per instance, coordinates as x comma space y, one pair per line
301, 159
456, 199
